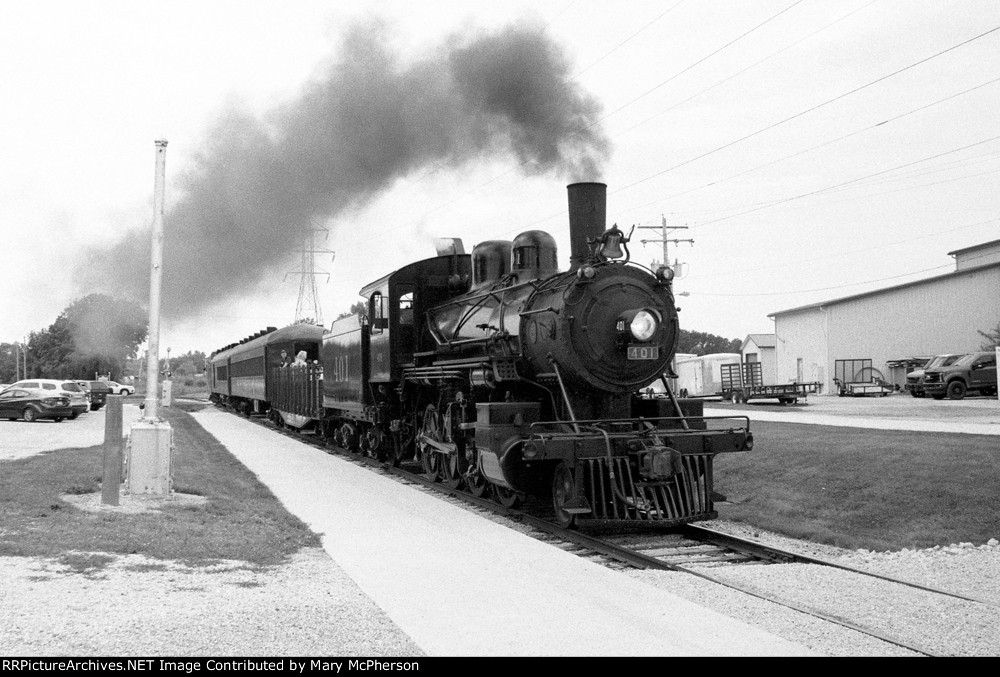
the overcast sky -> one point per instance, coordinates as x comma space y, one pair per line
811, 150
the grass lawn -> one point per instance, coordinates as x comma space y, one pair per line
241, 519
856, 488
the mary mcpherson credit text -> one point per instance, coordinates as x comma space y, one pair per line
212, 665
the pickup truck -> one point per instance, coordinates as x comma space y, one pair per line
97, 393
915, 379
973, 372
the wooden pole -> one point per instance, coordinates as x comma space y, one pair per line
111, 486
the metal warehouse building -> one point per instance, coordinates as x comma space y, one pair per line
942, 314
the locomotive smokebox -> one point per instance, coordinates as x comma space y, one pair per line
587, 218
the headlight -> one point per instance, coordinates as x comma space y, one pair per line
643, 325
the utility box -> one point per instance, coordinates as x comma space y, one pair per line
149, 451
168, 398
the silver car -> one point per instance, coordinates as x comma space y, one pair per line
78, 397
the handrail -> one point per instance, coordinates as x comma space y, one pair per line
562, 386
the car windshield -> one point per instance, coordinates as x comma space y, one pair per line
72, 387
964, 360
941, 361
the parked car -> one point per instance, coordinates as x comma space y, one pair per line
32, 405
915, 379
98, 392
973, 372
119, 389
73, 391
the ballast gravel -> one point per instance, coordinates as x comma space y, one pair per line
937, 625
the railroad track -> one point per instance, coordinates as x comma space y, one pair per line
690, 549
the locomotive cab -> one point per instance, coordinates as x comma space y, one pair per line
397, 304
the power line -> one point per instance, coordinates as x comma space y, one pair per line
850, 252
851, 181
748, 68
818, 146
693, 65
808, 110
849, 284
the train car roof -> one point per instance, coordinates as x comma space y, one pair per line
409, 272
292, 332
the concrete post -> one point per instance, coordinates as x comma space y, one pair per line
111, 483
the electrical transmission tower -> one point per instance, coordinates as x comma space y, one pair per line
307, 309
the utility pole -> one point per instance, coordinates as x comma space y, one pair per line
152, 438
155, 277
664, 230
308, 306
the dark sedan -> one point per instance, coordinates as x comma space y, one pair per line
32, 405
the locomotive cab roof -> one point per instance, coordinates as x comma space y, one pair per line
433, 271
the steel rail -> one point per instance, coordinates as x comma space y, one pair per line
726, 540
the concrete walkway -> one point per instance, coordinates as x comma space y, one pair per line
460, 585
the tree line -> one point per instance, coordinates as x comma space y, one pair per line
94, 335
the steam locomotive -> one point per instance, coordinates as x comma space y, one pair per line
499, 372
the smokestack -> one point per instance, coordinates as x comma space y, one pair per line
587, 218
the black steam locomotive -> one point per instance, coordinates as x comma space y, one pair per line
499, 372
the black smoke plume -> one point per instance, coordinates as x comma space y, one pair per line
259, 185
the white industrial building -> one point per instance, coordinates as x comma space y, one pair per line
942, 314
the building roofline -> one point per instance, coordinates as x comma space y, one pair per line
762, 340
915, 283
974, 247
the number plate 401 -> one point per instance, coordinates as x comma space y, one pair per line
644, 352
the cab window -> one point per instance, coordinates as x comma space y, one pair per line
379, 313
406, 308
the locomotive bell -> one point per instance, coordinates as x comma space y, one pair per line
609, 246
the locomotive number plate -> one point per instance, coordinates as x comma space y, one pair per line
644, 352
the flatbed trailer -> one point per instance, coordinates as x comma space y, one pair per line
864, 389
858, 378
742, 382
